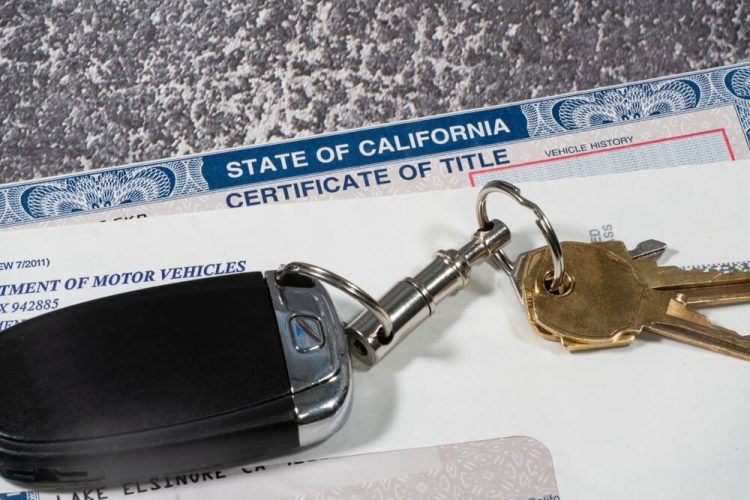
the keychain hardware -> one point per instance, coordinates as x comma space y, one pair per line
557, 284
385, 323
412, 300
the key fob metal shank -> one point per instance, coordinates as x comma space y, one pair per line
179, 377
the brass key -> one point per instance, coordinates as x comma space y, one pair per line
608, 298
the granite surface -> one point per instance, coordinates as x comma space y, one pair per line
91, 84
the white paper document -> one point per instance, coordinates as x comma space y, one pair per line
657, 419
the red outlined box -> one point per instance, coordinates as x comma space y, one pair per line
721, 131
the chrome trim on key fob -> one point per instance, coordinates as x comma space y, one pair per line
317, 358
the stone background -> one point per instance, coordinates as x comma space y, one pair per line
93, 84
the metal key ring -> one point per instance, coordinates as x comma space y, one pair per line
340, 283
542, 222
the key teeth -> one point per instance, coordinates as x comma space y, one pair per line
713, 338
678, 308
695, 328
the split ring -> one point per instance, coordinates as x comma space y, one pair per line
340, 283
542, 222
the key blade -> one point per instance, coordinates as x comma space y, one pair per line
704, 288
714, 296
691, 327
667, 310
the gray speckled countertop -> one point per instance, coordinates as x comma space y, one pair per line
94, 84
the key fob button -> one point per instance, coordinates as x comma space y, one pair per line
307, 333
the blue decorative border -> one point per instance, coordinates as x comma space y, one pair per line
21, 495
132, 185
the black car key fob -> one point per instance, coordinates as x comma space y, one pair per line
180, 377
